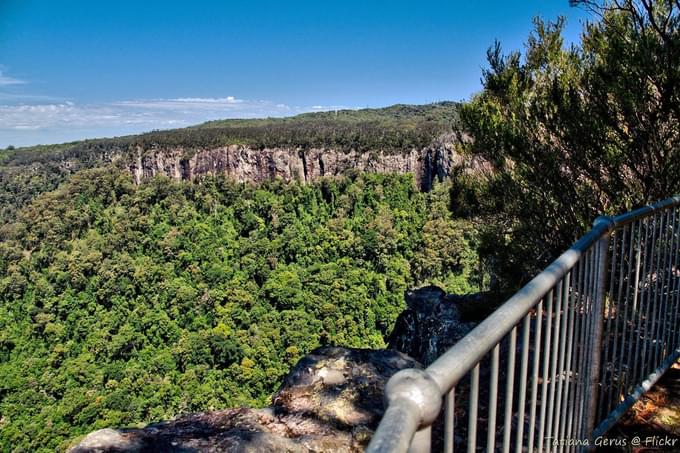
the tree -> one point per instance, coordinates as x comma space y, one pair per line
579, 131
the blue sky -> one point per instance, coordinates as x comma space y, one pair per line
75, 69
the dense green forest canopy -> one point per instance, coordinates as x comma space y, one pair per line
122, 304
395, 128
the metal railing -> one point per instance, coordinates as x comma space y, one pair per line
557, 364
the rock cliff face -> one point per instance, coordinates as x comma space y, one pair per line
245, 164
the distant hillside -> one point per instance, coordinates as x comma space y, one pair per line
396, 127
27, 172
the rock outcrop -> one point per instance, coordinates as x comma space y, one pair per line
341, 386
245, 164
431, 324
231, 430
330, 402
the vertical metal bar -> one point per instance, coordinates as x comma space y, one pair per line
675, 286
670, 287
623, 305
668, 272
534, 380
588, 328
667, 285
561, 372
450, 421
472, 414
676, 289
648, 277
665, 288
493, 401
635, 313
571, 308
578, 350
509, 391
546, 362
614, 301
598, 321
661, 317
611, 311
641, 293
653, 340
553, 360
585, 349
524, 367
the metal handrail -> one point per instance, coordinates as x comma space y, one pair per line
575, 308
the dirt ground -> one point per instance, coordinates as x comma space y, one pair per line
653, 423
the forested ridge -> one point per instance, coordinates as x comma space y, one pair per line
26, 172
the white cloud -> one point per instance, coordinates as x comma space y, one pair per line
198, 103
44, 121
6, 80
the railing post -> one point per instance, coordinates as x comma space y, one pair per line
598, 310
413, 401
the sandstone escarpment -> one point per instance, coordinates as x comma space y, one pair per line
246, 164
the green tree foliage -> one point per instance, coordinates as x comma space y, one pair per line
578, 131
124, 304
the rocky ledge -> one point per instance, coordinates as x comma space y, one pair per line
331, 401
432, 322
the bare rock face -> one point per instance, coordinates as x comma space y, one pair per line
341, 386
245, 164
431, 324
330, 402
231, 430
106, 439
